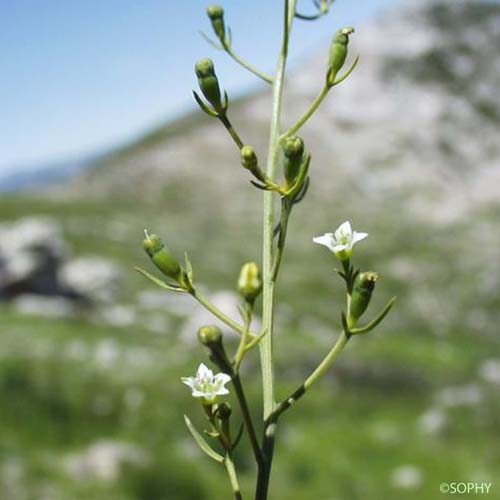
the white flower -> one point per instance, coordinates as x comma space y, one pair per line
342, 242
206, 385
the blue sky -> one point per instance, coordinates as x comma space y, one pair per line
81, 76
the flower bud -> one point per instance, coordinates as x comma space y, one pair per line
293, 148
210, 335
161, 256
216, 15
248, 158
323, 6
362, 294
338, 53
250, 162
249, 281
223, 411
208, 82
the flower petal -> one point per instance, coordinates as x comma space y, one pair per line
341, 248
344, 229
358, 237
199, 394
222, 378
204, 372
189, 381
326, 240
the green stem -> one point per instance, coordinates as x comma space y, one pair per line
268, 222
327, 361
280, 248
244, 337
232, 132
248, 66
268, 281
305, 117
314, 377
228, 461
233, 478
217, 312
247, 419
268, 452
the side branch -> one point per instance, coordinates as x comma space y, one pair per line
317, 102
218, 313
315, 375
248, 66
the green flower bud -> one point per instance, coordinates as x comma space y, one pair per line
210, 335
216, 15
338, 53
323, 6
208, 82
361, 295
250, 162
249, 281
161, 257
248, 158
293, 148
223, 411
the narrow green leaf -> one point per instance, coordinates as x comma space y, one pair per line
238, 437
210, 41
372, 324
189, 269
204, 107
204, 446
225, 105
260, 186
347, 73
298, 184
344, 323
159, 282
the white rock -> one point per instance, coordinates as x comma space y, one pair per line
432, 421
179, 304
40, 305
104, 460
30, 251
118, 315
92, 277
407, 477
465, 395
41, 233
490, 371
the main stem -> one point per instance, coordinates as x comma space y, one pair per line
268, 279
268, 223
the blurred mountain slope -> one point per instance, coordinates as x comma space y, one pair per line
419, 117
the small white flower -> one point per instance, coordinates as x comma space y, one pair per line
342, 242
206, 385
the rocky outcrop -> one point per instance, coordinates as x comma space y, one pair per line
38, 273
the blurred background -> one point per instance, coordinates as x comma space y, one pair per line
99, 139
